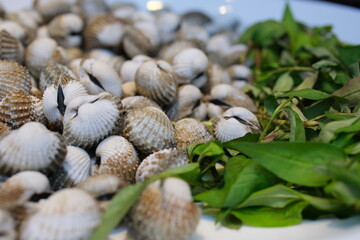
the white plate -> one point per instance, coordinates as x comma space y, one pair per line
345, 21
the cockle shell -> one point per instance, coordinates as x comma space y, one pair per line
13, 77
160, 161
218, 43
31, 147
233, 54
29, 18
50, 8
228, 96
3, 128
89, 119
128, 89
10, 47
55, 73
14, 29
190, 130
217, 75
67, 214
123, 10
104, 31
91, 8
193, 33
18, 108
40, 51
7, 226
189, 64
168, 52
168, 23
102, 184
235, 123
240, 75
188, 99
73, 53
117, 156
66, 30
165, 211
129, 67
75, 168
19, 188
57, 97
99, 77
136, 102
149, 130
156, 80
196, 18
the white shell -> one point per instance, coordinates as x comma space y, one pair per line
129, 67
135, 102
14, 28
7, 226
70, 214
168, 22
193, 33
100, 185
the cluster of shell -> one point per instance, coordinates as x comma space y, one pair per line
96, 97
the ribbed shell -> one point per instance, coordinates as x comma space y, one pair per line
55, 73
217, 75
10, 48
165, 211
100, 185
149, 130
89, 119
104, 31
168, 52
188, 98
118, 157
7, 226
75, 168
70, 214
160, 161
49, 9
156, 80
136, 42
20, 187
3, 128
190, 130
18, 108
31, 147
129, 67
136, 102
13, 77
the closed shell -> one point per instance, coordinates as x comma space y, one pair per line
160, 161
55, 73
18, 108
31, 147
129, 67
149, 130
67, 214
156, 80
13, 77
118, 157
168, 52
10, 48
165, 211
89, 119
49, 9
190, 130
75, 168
136, 102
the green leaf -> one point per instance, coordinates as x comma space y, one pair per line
307, 94
350, 91
290, 25
242, 177
210, 149
271, 104
119, 206
308, 82
349, 54
267, 33
284, 83
330, 130
297, 130
188, 169
292, 161
354, 69
324, 64
271, 217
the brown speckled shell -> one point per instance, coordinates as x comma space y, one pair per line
10, 48
18, 108
149, 129
136, 102
3, 128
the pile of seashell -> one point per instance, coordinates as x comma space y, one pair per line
96, 97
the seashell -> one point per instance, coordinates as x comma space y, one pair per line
190, 130
214, 110
18, 108
193, 33
7, 226
200, 112
149, 130
10, 48
136, 102
73, 53
51, 8
218, 43
235, 123
66, 30
227, 96
40, 51
19, 188
123, 10
188, 99
116, 63
98, 77
55, 73
196, 18
233, 54
57, 97
31, 147
3, 128
13, 77
89, 119
117, 156
156, 80
160, 161
29, 18
91, 8
14, 29
165, 211
168, 52
168, 23
141, 39
75, 65
240, 75
189, 64
128, 89
141, 16
75, 169
129, 67
104, 31
102, 185
42, 32
67, 214
217, 75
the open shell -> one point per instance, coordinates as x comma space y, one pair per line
31, 147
